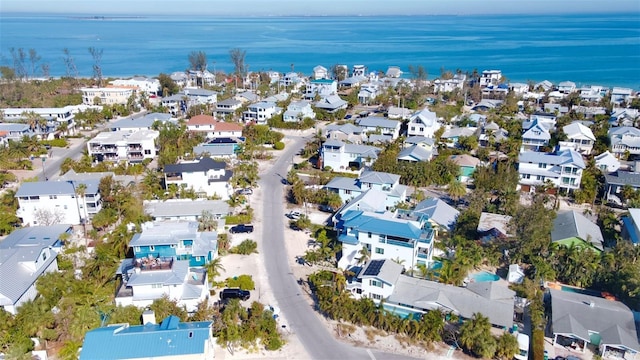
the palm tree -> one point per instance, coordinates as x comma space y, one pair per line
457, 190
81, 190
214, 267
365, 254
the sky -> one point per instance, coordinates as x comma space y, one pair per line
315, 7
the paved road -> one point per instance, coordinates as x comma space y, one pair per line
316, 338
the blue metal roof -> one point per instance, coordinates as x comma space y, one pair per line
380, 225
170, 338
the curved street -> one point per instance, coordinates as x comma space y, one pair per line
302, 318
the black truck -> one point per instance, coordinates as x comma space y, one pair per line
241, 228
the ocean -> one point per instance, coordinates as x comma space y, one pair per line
588, 49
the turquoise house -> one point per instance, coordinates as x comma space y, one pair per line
467, 165
180, 240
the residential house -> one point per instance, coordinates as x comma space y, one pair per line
340, 156
515, 275
297, 111
331, 104
607, 162
556, 109
548, 120
489, 133
179, 103
624, 117
321, 87
187, 209
25, 254
320, 72
201, 124
535, 136
227, 107
467, 165
487, 104
199, 78
440, 215
349, 188
518, 88
172, 339
620, 95
571, 228
123, 145
490, 77
352, 82
348, 133
496, 92
15, 132
143, 84
544, 85
423, 123
54, 118
359, 70
180, 78
370, 200
145, 122
378, 139
493, 226
403, 236
247, 97
260, 112
367, 93
448, 85
452, 134
115, 95
213, 129
393, 72
562, 170
579, 138
579, 319
624, 139
43, 203
412, 295
398, 113
205, 176
417, 152
614, 182
593, 93
179, 240
380, 125
631, 227
291, 79
566, 87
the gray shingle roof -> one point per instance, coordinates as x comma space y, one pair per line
185, 207
560, 158
573, 224
41, 188
623, 178
377, 121
385, 270
438, 211
415, 153
204, 164
577, 314
377, 177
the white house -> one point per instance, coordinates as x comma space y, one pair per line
490, 77
228, 106
389, 184
579, 138
535, 137
331, 103
544, 118
623, 139
566, 87
380, 125
205, 176
260, 112
146, 122
448, 85
25, 255
619, 95
398, 113
367, 93
321, 87
180, 78
212, 128
404, 236
348, 133
122, 145
187, 209
107, 95
179, 103
144, 84
519, 88
341, 156
54, 116
45, 203
607, 162
320, 72
298, 110
359, 70
561, 170
423, 123
593, 93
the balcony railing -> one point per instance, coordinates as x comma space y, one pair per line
408, 243
153, 263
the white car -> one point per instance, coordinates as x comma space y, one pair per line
294, 215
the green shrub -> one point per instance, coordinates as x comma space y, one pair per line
56, 142
278, 145
244, 282
245, 248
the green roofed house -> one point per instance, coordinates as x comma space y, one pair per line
573, 228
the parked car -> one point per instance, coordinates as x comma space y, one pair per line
326, 208
227, 294
245, 191
293, 226
294, 215
241, 228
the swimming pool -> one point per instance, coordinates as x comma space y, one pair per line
484, 276
401, 312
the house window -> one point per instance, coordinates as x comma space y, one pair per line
44, 256
377, 283
542, 166
198, 258
190, 334
526, 176
53, 197
147, 152
156, 286
173, 246
369, 234
347, 192
152, 248
136, 249
376, 296
380, 251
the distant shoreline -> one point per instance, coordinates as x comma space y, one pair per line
97, 17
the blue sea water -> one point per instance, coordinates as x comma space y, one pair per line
588, 49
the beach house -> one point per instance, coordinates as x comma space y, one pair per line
562, 170
579, 138
25, 255
448, 85
340, 156
146, 122
143, 84
467, 165
260, 112
320, 87
114, 95
607, 162
297, 111
490, 78
389, 184
123, 145
331, 103
348, 133
624, 139
571, 228
423, 123
380, 125
535, 136
207, 177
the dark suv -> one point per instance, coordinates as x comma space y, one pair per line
235, 294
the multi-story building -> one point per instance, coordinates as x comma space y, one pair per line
321, 87
535, 136
423, 123
320, 72
46, 203
25, 255
403, 235
389, 184
579, 138
561, 170
298, 110
448, 85
107, 95
149, 86
205, 176
490, 78
341, 156
380, 125
123, 145
146, 122
260, 112
624, 139
619, 95
228, 107
54, 116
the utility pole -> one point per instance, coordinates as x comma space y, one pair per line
44, 176
82, 220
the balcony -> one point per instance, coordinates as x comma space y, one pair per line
174, 177
134, 149
151, 263
398, 241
